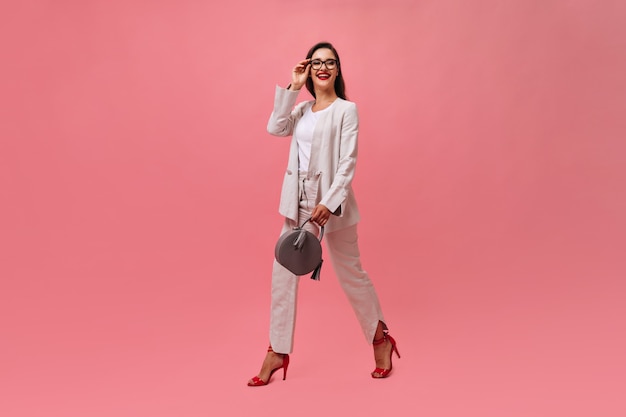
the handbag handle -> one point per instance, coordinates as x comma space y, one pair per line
321, 228
299, 242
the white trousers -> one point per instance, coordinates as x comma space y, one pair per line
342, 246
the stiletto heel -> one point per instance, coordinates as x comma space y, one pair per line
258, 382
384, 373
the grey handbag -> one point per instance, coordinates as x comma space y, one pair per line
300, 251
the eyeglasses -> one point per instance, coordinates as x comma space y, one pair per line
330, 64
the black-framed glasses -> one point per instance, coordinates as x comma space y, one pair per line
317, 64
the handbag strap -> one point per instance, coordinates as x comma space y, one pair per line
321, 228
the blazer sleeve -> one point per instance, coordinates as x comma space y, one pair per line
282, 119
348, 149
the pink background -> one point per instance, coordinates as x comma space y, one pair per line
139, 193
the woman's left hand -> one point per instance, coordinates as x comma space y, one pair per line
320, 214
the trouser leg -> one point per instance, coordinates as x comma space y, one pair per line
285, 283
344, 252
284, 302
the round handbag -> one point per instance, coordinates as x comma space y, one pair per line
300, 251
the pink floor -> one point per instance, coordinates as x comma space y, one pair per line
157, 342
139, 189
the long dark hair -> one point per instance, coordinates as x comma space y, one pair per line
340, 85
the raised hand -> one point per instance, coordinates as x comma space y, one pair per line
300, 73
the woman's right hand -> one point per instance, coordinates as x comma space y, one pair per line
300, 73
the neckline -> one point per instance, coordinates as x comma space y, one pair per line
324, 109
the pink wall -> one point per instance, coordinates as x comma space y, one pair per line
135, 172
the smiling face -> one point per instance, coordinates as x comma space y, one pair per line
324, 77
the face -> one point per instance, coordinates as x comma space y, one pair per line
324, 77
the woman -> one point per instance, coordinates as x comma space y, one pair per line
317, 185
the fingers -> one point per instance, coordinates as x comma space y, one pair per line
302, 66
320, 221
320, 215
300, 74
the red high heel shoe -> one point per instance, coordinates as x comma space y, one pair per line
384, 373
258, 382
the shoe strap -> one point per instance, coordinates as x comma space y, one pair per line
269, 349
381, 340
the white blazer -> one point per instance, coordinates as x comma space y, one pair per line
333, 157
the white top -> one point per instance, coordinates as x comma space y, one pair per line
304, 136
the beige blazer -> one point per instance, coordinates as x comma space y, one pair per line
333, 157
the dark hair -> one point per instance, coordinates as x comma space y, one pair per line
340, 85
